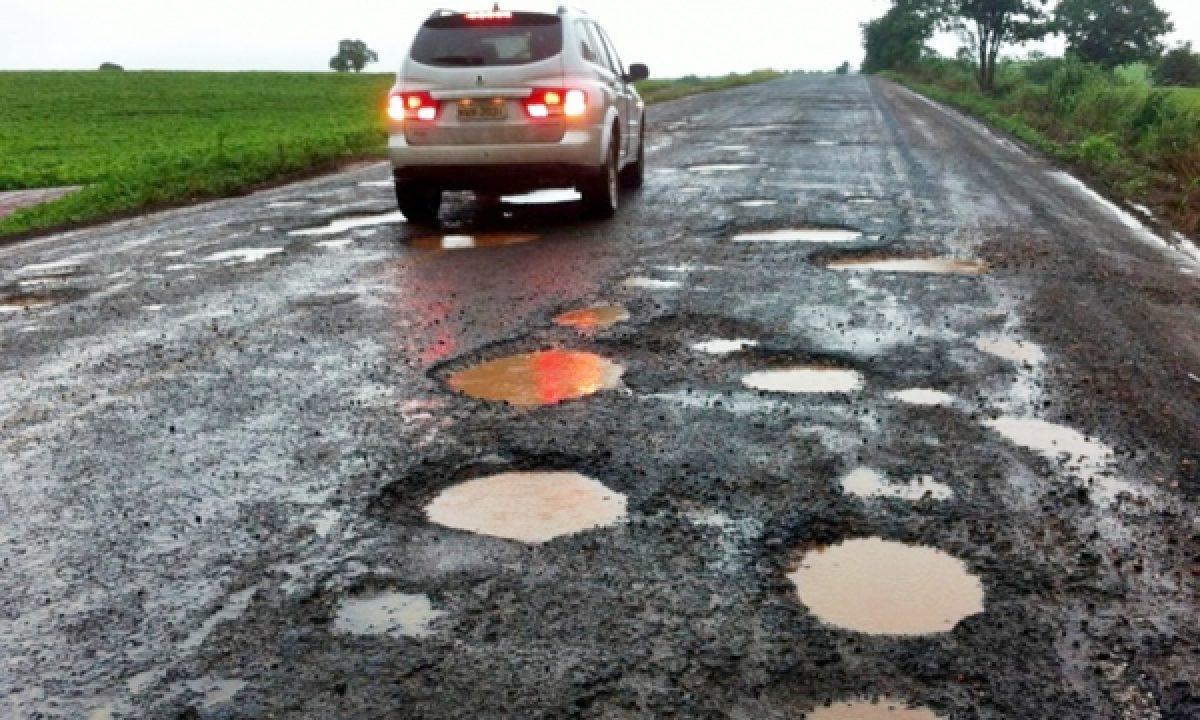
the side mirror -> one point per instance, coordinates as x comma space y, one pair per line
637, 72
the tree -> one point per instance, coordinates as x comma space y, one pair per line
1112, 32
1180, 66
352, 55
111, 67
897, 39
843, 69
989, 25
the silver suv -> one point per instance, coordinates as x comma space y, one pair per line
506, 102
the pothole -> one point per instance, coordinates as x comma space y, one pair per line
243, 256
757, 203
549, 196
472, 242
645, 283
1091, 460
530, 507
393, 614
866, 483
928, 265
716, 168
875, 586
801, 380
723, 346
800, 235
57, 270
597, 317
23, 302
1017, 351
351, 223
541, 378
924, 397
864, 710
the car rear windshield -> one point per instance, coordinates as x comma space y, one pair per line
460, 41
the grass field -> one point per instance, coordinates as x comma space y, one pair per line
153, 139
1190, 96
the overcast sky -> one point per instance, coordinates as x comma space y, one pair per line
675, 37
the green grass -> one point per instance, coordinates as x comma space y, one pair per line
140, 140
1188, 96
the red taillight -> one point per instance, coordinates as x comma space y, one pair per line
491, 16
556, 102
413, 106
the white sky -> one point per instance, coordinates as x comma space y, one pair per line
675, 37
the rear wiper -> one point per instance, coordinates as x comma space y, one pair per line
459, 60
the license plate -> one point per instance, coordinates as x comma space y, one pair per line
482, 109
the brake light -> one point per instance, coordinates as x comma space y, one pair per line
413, 106
491, 16
555, 102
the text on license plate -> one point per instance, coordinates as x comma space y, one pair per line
481, 109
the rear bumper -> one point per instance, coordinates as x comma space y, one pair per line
501, 167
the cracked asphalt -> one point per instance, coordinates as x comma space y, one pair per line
219, 433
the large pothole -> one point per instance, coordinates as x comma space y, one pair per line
541, 378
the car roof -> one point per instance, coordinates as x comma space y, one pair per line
563, 10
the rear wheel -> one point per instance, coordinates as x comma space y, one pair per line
420, 204
601, 191
634, 175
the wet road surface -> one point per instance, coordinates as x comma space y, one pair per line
866, 354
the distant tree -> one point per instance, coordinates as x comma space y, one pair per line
989, 25
1112, 32
352, 55
1179, 66
897, 39
843, 69
111, 67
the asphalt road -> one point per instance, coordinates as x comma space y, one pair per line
218, 436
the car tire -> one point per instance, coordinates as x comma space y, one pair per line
634, 175
601, 190
419, 204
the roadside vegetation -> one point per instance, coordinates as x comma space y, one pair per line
1117, 106
142, 140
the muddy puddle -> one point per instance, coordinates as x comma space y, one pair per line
541, 378
26, 302
393, 614
801, 380
242, 256
927, 397
865, 710
757, 203
1091, 460
875, 586
929, 266
723, 346
551, 196
597, 317
530, 507
351, 223
645, 283
866, 483
800, 235
1017, 351
472, 242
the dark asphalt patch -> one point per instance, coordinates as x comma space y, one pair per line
329, 300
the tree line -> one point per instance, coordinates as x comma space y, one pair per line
1109, 33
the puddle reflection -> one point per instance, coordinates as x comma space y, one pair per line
864, 482
931, 266
863, 710
599, 317
542, 378
874, 586
352, 223
805, 380
472, 242
393, 614
800, 235
530, 507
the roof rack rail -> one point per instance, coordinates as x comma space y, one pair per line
564, 9
441, 12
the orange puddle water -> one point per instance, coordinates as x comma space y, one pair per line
934, 266
530, 507
472, 242
541, 378
862, 710
393, 614
879, 587
805, 380
599, 317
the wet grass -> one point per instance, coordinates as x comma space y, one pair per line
141, 140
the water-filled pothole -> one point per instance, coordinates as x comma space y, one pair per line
928, 265
864, 482
394, 614
875, 586
723, 346
924, 396
1090, 459
645, 283
597, 317
351, 223
1017, 351
800, 235
26, 301
541, 378
472, 242
550, 196
714, 168
242, 256
530, 507
757, 203
811, 379
863, 710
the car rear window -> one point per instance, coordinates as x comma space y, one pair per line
459, 41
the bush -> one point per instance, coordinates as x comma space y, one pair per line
111, 67
1100, 151
1180, 66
